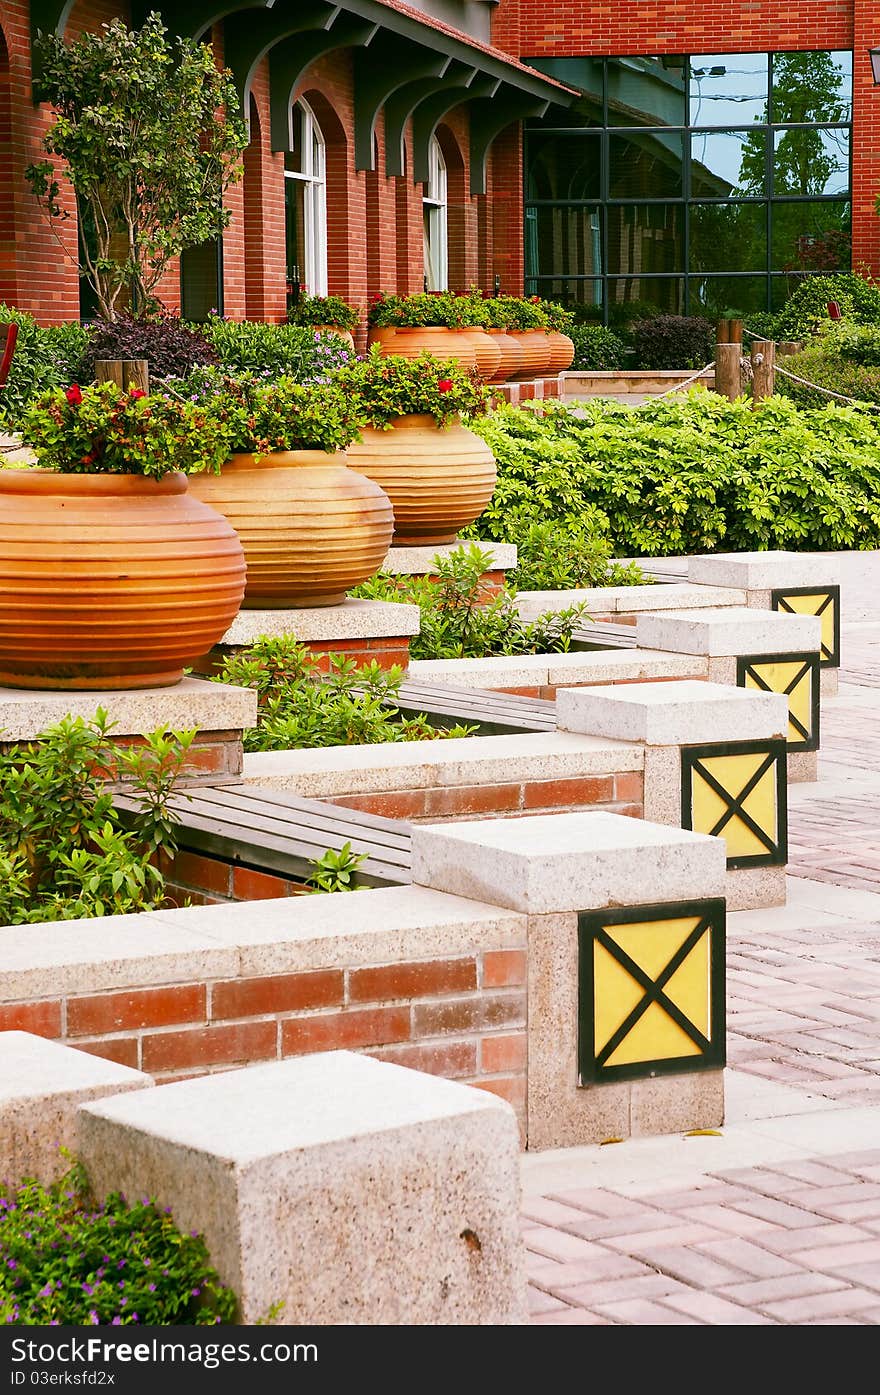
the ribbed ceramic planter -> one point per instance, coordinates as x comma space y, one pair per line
487, 354
311, 528
438, 479
561, 351
512, 356
536, 351
435, 339
110, 581
345, 334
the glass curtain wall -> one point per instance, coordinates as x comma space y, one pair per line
695, 184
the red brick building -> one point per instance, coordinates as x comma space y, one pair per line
689, 156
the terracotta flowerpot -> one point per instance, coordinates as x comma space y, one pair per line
536, 351
512, 356
438, 479
561, 351
110, 581
311, 528
345, 334
381, 334
436, 339
487, 352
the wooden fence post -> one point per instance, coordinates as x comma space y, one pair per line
126, 372
728, 352
763, 357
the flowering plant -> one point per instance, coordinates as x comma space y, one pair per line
67, 1260
388, 386
260, 415
518, 313
558, 317
106, 429
324, 310
426, 309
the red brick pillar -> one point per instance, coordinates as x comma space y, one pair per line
866, 139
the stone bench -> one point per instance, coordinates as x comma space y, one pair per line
348, 1190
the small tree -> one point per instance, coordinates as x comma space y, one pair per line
151, 133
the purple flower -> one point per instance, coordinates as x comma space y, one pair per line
195, 1292
47, 1291
88, 1289
152, 1288
94, 1320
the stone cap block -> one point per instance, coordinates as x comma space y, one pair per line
419, 561
764, 571
731, 631
292, 1106
625, 600
193, 702
673, 714
42, 1085
353, 619
567, 862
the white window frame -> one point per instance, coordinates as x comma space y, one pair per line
435, 205
313, 175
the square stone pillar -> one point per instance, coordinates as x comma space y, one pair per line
715, 762
777, 653
799, 583
349, 1190
626, 1025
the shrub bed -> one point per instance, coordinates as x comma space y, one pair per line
693, 473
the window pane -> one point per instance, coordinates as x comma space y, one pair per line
727, 163
562, 166
812, 87
728, 89
563, 242
810, 236
583, 73
646, 91
645, 238
646, 166
811, 161
295, 229
728, 237
665, 294
587, 295
717, 296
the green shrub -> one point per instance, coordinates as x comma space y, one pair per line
822, 362
672, 341
857, 343
807, 306
43, 359
324, 310
296, 351
66, 851
596, 349
564, 557
67, 1259
463, 618
384, 387
300, 707
336, 871
259, 415
687, 474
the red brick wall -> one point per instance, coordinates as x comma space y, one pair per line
622, 793
462, 1016
388, 653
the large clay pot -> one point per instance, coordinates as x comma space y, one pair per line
561, 351
437, 340
487, 353
345, 334
381, 334
438, 479
311, 528
110, 581
512, 356
536, 351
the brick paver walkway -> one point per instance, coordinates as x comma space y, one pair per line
775, 1218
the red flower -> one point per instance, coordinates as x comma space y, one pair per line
74, 394
444, 385
136, 394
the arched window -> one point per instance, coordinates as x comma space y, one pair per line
434, 206
305, 202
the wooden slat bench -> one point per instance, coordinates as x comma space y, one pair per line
603, 634
273, 831
496, 714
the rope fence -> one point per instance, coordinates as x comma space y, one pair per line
805, 382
